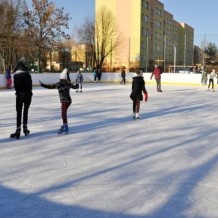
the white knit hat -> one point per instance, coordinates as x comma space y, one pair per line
63, 74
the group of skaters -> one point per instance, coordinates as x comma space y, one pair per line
205, 77
97, 73
23, 91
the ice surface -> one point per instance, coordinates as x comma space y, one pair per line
110, 166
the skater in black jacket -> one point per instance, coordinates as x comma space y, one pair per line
23, 88
138, 86
63, 87
123, 76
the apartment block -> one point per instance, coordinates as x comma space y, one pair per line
150, 35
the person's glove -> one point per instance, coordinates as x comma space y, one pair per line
76, 86
146, 96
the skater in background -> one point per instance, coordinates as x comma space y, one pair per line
99, 73
23, 89
212, 75
157, 75
68, 75
95, 74
123, 76
8, 77
138, 87
203, 76
79, 81
63, 87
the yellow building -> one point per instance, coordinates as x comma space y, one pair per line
149, 34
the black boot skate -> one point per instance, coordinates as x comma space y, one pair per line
16, 135
25, 130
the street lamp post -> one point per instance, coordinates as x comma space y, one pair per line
174, 57
184, 53
146, 68
164, 53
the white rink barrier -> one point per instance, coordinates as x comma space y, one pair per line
167, 78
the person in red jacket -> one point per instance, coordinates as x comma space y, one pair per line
157, 75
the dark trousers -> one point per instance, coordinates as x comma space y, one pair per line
64, 107
158, 82
99, 76
22, 104
211, 82
136, 105
123, 81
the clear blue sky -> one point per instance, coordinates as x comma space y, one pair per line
202, 15
79, 10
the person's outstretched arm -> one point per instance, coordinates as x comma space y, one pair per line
47, 86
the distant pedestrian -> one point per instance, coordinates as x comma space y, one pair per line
79, 81
138, 87
8, 77
99, 74
95, 74
63, 87
68, 75
23, 88
203, 76
157, 75
212, 75
123, 76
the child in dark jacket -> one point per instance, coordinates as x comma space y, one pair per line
63, 87
138, 86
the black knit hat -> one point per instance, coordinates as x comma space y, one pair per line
21, 65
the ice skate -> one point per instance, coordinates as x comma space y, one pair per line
137, 116
25, 130
16, 135
133, 115
63, 129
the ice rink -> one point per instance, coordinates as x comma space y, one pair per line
109, 165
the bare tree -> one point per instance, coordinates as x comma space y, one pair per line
101, 36
86, 36
45, 24
65, 53
10, 28
107, 36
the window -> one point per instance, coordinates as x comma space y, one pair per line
145, 4
144, 45
158, 23
158, 11
144, 31
145, 18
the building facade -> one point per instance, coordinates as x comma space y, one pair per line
150, 35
